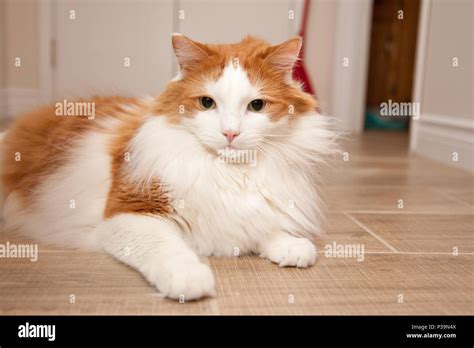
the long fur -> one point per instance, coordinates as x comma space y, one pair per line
88, 197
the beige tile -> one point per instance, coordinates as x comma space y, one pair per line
464, 194
341, 230
100, 284
386, 198
432, 284
378, 144
423, 233
410, 171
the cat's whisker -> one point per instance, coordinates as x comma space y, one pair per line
295, 152
278, 135
263, 151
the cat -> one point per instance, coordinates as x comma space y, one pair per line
224, 162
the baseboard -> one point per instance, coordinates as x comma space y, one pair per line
440, 137
15, 101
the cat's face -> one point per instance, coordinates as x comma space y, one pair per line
238, 96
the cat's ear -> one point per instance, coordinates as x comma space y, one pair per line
188, 52
285, 55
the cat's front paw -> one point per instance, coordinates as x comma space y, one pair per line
183, 280
286, 250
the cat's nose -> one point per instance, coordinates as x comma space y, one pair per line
230, 135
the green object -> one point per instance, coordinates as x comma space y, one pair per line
375, 121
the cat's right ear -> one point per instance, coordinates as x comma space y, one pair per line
188, 52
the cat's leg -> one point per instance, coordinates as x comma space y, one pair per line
287, 250
154, 247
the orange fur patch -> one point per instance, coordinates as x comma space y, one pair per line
283, 98
126, 197
43, 139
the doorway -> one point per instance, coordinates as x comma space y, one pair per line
391, 64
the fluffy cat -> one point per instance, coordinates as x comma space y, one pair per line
224, 162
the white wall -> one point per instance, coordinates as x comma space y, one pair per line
320, 46
445, 128
94, 43
447, 88
19, 39
230, 20
90, 49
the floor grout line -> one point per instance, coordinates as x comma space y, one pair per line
380, 239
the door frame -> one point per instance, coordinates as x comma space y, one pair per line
419, 73
352, 40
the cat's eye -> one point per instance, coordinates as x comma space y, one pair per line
256, 105
207, 103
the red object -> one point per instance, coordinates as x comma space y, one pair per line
299, 71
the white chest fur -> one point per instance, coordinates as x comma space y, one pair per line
224, 208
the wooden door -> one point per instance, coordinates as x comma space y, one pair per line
392, 51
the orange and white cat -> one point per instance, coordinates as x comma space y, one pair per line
158, 182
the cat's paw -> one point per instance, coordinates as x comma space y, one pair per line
184, 280
290, 251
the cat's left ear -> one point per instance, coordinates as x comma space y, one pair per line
189, 53
285, 55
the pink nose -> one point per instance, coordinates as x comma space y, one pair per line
230, 135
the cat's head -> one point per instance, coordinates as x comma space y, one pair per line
235, 96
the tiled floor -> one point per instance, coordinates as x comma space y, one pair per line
413, 217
